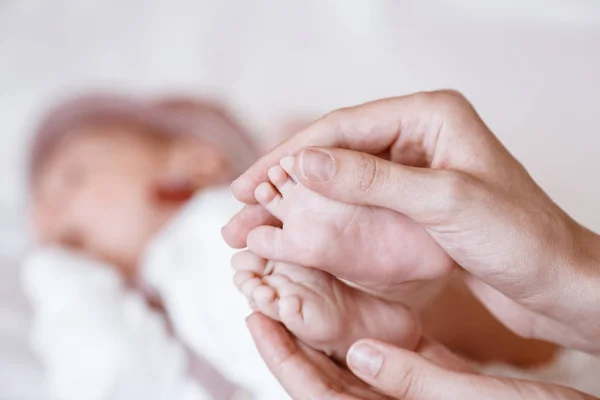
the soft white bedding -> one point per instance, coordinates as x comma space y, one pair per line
20, 371
97, 340
101, 341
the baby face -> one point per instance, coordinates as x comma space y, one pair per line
96, 193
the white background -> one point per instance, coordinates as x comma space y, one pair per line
531, 67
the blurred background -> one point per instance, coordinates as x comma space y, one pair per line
532, 68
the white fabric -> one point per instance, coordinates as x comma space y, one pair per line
100, 341
189, 265
97, 340
20, 372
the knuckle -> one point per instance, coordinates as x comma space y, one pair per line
332, 116
524, 390
450, 98
456, 190
335, 117
369, 175
409, 384
333, 391
454, 95
448, 101
334, 121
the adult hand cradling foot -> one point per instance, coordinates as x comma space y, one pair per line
428, 157
431, 372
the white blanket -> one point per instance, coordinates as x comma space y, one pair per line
99, 340
189, 265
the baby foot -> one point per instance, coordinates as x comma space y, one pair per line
319, 309
345, 240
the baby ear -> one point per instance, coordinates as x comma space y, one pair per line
190, 165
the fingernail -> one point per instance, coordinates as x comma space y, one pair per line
316, 165
365, 359
287, 163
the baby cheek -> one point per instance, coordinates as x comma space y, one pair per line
129, 226
117, 226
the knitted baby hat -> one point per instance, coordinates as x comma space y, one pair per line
203, 119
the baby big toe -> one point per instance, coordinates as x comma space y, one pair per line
265, 298
247, 261
290, 311
305, 318
246, 282
269, 198
269, 242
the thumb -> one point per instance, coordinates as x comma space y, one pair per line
403, 374
424, 194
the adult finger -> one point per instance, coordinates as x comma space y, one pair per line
250, 217
424, 194
299, 376
403, 374
408, 126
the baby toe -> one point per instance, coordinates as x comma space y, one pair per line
248, 261
304, 319
270, 242
287, 163
248, 285
276, 281
265, 298
265, 194
241, 277
281, 179
245, 281
271, 200
290, 311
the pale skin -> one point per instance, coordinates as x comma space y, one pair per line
323, 312
443, 168
318, 308
99, 191
325, 233
377, 370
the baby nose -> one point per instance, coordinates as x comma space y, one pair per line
72, 239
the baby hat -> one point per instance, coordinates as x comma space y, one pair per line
204, 119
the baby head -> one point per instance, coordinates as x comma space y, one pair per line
108, 172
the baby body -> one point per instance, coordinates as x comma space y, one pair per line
137, 198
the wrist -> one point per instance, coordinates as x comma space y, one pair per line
580, 289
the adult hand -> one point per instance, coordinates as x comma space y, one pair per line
436, 161
385, 371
